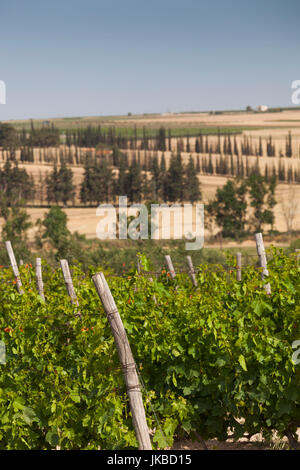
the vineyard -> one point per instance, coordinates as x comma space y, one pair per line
213, 353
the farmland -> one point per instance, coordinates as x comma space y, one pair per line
257, 128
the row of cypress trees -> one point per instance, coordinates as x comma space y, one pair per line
162, 139
118, 174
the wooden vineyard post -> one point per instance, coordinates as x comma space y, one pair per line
39, 278
170, 266
192, 271
14, 266
262, 259
239, 266
126, 360
69, 283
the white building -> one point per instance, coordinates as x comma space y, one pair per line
262, 108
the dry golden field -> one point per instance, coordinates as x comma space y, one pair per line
276, 124
264, 124
84, 220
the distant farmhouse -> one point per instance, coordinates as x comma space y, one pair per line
262, 108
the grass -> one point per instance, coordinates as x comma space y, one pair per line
71, 124
127, 127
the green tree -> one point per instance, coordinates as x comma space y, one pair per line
86, 189
45, 136
262, 199
174, 179
122, 178
55, 230
97, 184
15, 227
229, 208
66, 181
163, 183
155, 180
8, 135
134, 181
60, 186
15, 184
192, 191
161, 139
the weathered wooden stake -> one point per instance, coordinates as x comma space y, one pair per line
192, 271
69, 282
14, 266
39, 277
170, 266
127, 362
262, 259
239, 266
154, 297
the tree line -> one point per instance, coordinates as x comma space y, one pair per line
103, 182
176, 183
229, 209
214, 142
106, 177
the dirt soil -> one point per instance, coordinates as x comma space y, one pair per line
256, 442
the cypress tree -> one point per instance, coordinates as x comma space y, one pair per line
174, 179
163, 183
134, 181
231, 165
121, 188
161, 139
206, 145
288, 145
236, 150
188, 148
65, 178
198, 164
218, 149
170, 140
260, 149
155, 172
192, 191
210, 165
201, 146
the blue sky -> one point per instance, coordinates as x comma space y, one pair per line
81, 58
